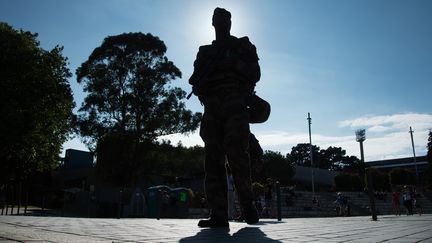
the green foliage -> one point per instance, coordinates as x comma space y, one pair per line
277, 166
348, 182
176, 161
300, 154
400, 176
352, 164
121, 160
332, 158
380, 180
35, 102
127, 80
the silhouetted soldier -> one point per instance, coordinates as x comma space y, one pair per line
224, 78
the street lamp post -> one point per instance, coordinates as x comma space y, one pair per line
361, 137
415, 160
311, 156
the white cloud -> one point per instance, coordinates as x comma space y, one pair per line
388, 136
400, 122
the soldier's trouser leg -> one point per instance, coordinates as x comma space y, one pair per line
236, 142
215, 182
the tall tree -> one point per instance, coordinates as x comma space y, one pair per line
332, 158
352, 164
278, 166
35, 102
300, 154
127, 80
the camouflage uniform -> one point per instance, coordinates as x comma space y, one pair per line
224, 77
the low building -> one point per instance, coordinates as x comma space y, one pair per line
405, 163
77, 170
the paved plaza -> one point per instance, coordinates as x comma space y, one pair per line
342, 229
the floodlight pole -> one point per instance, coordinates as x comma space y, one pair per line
311, 156
361, 137
415, 160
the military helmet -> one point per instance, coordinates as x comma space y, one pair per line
259, 109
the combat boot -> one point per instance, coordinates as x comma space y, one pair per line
250, 214
215, 221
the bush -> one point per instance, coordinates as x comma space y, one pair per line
348, 182
400, 176
380, 180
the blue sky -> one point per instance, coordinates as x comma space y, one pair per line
351, 64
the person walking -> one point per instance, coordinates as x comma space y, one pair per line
395, 202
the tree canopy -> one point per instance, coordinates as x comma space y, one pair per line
116, 162
130, 103
35, 102
127, 83
278, 166
332, 158
300, 154
380, 180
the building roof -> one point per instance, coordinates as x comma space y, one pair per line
421, 162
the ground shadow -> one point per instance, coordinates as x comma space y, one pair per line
248, 234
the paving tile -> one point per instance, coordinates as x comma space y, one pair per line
351, 229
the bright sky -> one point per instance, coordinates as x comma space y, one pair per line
351, 64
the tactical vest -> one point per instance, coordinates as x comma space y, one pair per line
210, 76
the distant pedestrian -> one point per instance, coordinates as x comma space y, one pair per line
416, 204
407, 197
165, 203
341, 203
396, 202
268, 196
316, 203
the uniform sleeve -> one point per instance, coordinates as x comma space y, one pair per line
249, 56
198, 63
